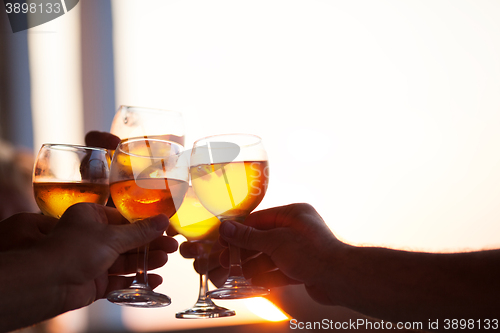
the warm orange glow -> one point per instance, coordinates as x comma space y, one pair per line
265, 309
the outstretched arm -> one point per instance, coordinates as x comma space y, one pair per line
398, 285
298, 247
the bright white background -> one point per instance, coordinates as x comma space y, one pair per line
384, 115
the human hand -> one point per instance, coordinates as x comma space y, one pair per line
98, 243
216, 273
102, 140
24, 230
102, 241
294, 243
75, 261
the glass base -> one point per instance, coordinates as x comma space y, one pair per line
205, 311
140, 298
237, 287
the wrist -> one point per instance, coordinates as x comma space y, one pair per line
28, 283
327, 285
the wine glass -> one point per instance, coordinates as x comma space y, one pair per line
198, 225
147, 177
64, 175
229, 174
133, 121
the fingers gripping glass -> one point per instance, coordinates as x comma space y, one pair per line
229, 174
147, 177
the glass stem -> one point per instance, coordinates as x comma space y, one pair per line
141, 276
202, 297
235, 268
203, 271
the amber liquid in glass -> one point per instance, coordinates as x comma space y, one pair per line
197, 224
193, 221
230, 189
143, 198
53, 198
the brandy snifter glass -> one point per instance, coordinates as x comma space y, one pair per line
66, 174
135, 121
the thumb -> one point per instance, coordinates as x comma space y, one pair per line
249, 238
140, 233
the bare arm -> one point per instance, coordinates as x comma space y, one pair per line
399, 285
29, 289
393, 285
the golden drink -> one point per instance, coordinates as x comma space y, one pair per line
146, 197
54, 198
230, 190
193, 221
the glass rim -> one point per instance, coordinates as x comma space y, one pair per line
148, 109
128, 140
257, 141
71, 147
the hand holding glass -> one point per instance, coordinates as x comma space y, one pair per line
198, 225
229, 174
147, 178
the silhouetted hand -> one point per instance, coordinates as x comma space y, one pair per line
102, 140
24, 230
216, 272
74, 261
285, 245
297, 247
279, 246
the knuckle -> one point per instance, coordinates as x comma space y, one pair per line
306, 207
142, 230
305, 210
247, 237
